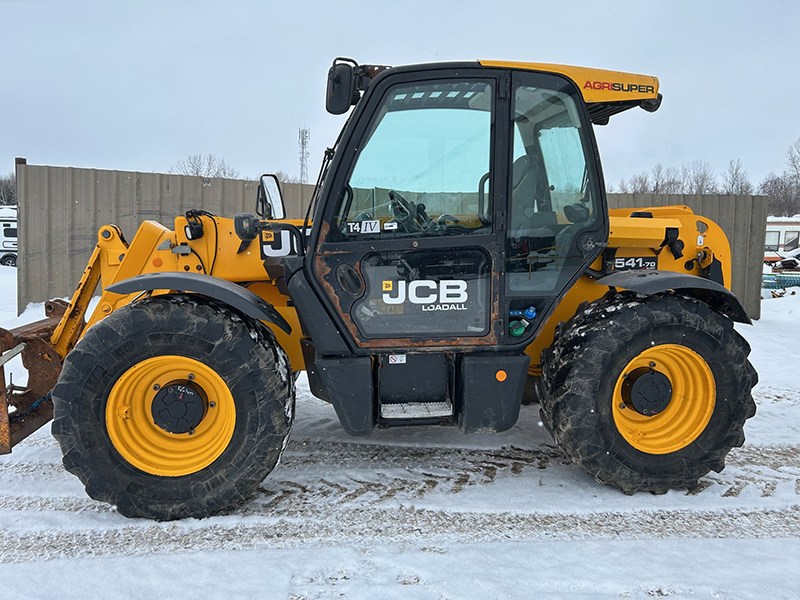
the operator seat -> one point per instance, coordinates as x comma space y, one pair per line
537, 227
577, 215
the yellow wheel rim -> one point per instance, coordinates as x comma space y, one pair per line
145, 445
690, 407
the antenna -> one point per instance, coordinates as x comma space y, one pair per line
302, 141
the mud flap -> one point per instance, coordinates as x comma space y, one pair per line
348, 381
489, 391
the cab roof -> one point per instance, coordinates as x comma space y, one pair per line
606, 93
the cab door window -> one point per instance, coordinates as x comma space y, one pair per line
424, 169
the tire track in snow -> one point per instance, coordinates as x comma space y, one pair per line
357, 473
38, 471
773, 457
766, 394
19, 503
397, 525
356, 455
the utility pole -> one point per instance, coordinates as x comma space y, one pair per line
302, 141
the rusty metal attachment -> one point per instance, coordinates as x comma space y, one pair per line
24, 409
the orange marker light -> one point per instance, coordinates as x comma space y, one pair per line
501, 375
157, 262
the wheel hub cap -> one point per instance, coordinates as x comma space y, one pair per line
178, 408
648, 392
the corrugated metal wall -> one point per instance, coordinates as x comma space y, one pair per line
61, 209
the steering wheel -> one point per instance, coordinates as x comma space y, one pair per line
405, 212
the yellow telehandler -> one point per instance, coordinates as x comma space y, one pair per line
458, 258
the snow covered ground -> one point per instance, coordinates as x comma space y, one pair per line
429, 513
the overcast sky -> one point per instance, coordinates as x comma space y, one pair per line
141, 85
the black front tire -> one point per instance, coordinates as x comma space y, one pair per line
587, 358
242, 352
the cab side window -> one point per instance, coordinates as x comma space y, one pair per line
554, 193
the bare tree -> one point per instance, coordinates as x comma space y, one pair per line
783, 193
698, 178
672, 181
735, 180
284, 177
640, 184
8, 189
205, 166
784, 190
793, 159
666, 181
658, 181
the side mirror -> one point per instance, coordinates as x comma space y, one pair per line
341, 86
269, 202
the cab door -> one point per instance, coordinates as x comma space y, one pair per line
557, 220
407, 254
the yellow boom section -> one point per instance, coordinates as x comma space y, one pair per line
153, 250
597, 85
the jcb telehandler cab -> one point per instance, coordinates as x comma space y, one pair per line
458, 256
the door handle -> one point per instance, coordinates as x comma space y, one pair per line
349, 280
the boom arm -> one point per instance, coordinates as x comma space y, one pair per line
71, 325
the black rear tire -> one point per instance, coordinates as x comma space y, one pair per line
242, 352
586, 360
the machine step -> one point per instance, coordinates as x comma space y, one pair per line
416, 410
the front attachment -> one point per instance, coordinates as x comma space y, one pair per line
24, 409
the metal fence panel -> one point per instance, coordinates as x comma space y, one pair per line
61, 209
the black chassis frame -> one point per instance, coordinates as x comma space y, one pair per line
346, 150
